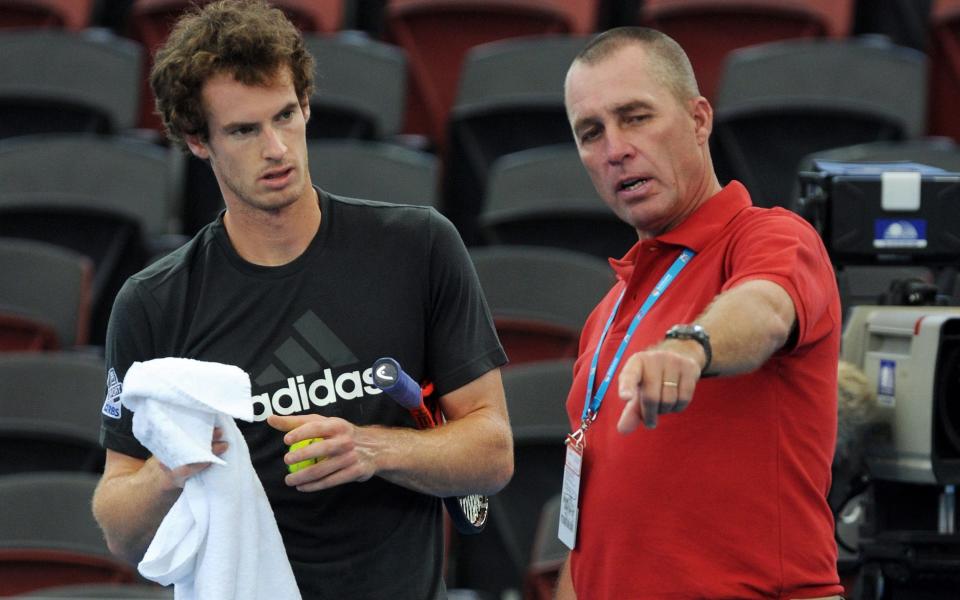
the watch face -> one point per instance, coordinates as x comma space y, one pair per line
687, 331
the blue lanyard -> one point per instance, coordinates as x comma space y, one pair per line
592, 406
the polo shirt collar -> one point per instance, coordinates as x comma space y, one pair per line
697, 231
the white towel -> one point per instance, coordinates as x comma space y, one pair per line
220, 539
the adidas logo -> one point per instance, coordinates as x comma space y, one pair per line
299, 395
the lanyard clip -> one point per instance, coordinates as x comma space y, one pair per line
577, 438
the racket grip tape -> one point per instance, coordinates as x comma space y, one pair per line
394, 382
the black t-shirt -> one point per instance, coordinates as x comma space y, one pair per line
377, 280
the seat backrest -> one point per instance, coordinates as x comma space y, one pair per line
540, 297
779, 102
103, 591
402, 175
549, 285
510, 98
543, 196
537, 180
359, 77
48, 281
436, 35
113, 174
114, 242
536, 394
944, 52
828, 73
517, 71
48, 535
94, 74
72, 15
709, 29
50, 411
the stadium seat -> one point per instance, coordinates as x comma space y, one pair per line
25, 331
944, 53
497, 560
540, 297
709, 29
126, 175
547, 556
109, 198
374, 171
360, 87
50, 411
782, 101
72, 15
102, 591
544, 197
54, 81
509, 98
50, 282
48, 536
436, 34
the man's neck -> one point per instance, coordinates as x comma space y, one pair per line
273, 239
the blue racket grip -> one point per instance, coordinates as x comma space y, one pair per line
389, 377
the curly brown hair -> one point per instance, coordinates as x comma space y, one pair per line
248, 38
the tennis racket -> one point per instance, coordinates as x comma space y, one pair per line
468, 513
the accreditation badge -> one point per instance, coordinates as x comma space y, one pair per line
570, 498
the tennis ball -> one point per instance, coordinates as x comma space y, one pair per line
303, 464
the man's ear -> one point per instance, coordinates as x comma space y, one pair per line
197, 146
702, 118
305, 107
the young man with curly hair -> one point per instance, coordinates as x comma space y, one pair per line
304, 290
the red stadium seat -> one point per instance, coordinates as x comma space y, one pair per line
23, 333
72, 15
53, 283
944, 65
436, 35
540, 297
709, 29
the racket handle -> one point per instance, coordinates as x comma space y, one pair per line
394, 382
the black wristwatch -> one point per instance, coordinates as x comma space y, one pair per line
696, 333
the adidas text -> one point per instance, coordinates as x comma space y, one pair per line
299, 395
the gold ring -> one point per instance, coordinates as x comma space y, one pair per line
670, 384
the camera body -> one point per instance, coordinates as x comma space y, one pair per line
911, 357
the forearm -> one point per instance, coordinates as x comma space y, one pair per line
473, 454
129, 506
747, 324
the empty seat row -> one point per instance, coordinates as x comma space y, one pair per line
49, 539
433, 37
775, 104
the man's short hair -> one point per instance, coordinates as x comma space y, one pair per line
247, 38
668, 60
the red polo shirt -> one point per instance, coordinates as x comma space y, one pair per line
728, 498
